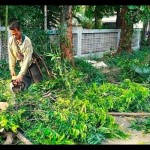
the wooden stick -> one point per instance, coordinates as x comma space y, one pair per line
38, 66
39, 58
128, 114
9, 138
48, 72
23, 139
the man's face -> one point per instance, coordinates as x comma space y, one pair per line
16, 33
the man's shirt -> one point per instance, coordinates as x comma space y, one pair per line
25, 48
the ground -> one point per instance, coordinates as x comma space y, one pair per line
137, 137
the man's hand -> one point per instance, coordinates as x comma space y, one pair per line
12, 73
19, 78
13, 77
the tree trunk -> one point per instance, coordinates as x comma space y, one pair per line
96, 18
66, 34
126, 33
148, 33
45, 17
143, 33
118, 19
6, 32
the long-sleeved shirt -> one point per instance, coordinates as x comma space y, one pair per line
25, 48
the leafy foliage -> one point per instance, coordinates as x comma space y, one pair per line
126, 63
138, 13
56, 111
64, 121
92, 74
71, 108
55, 118
89, 16
143, 71
141, 125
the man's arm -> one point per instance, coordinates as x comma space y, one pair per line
12, 59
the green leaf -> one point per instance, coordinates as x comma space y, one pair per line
14, 128
133, 7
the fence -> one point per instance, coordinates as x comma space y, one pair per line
85, 41
3, 44
95, 42
88, 42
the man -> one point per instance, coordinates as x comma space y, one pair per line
19, 49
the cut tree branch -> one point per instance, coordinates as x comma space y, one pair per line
23, 139
9, 138
128, 114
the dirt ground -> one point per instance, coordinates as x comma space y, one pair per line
136, 138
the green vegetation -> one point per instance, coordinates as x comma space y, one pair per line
134, 66
141, 125
72, 108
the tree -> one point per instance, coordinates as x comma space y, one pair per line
148, 33
66, 34
143, 33
131, 14
118, 18
90, 16
53, 15
126, 32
